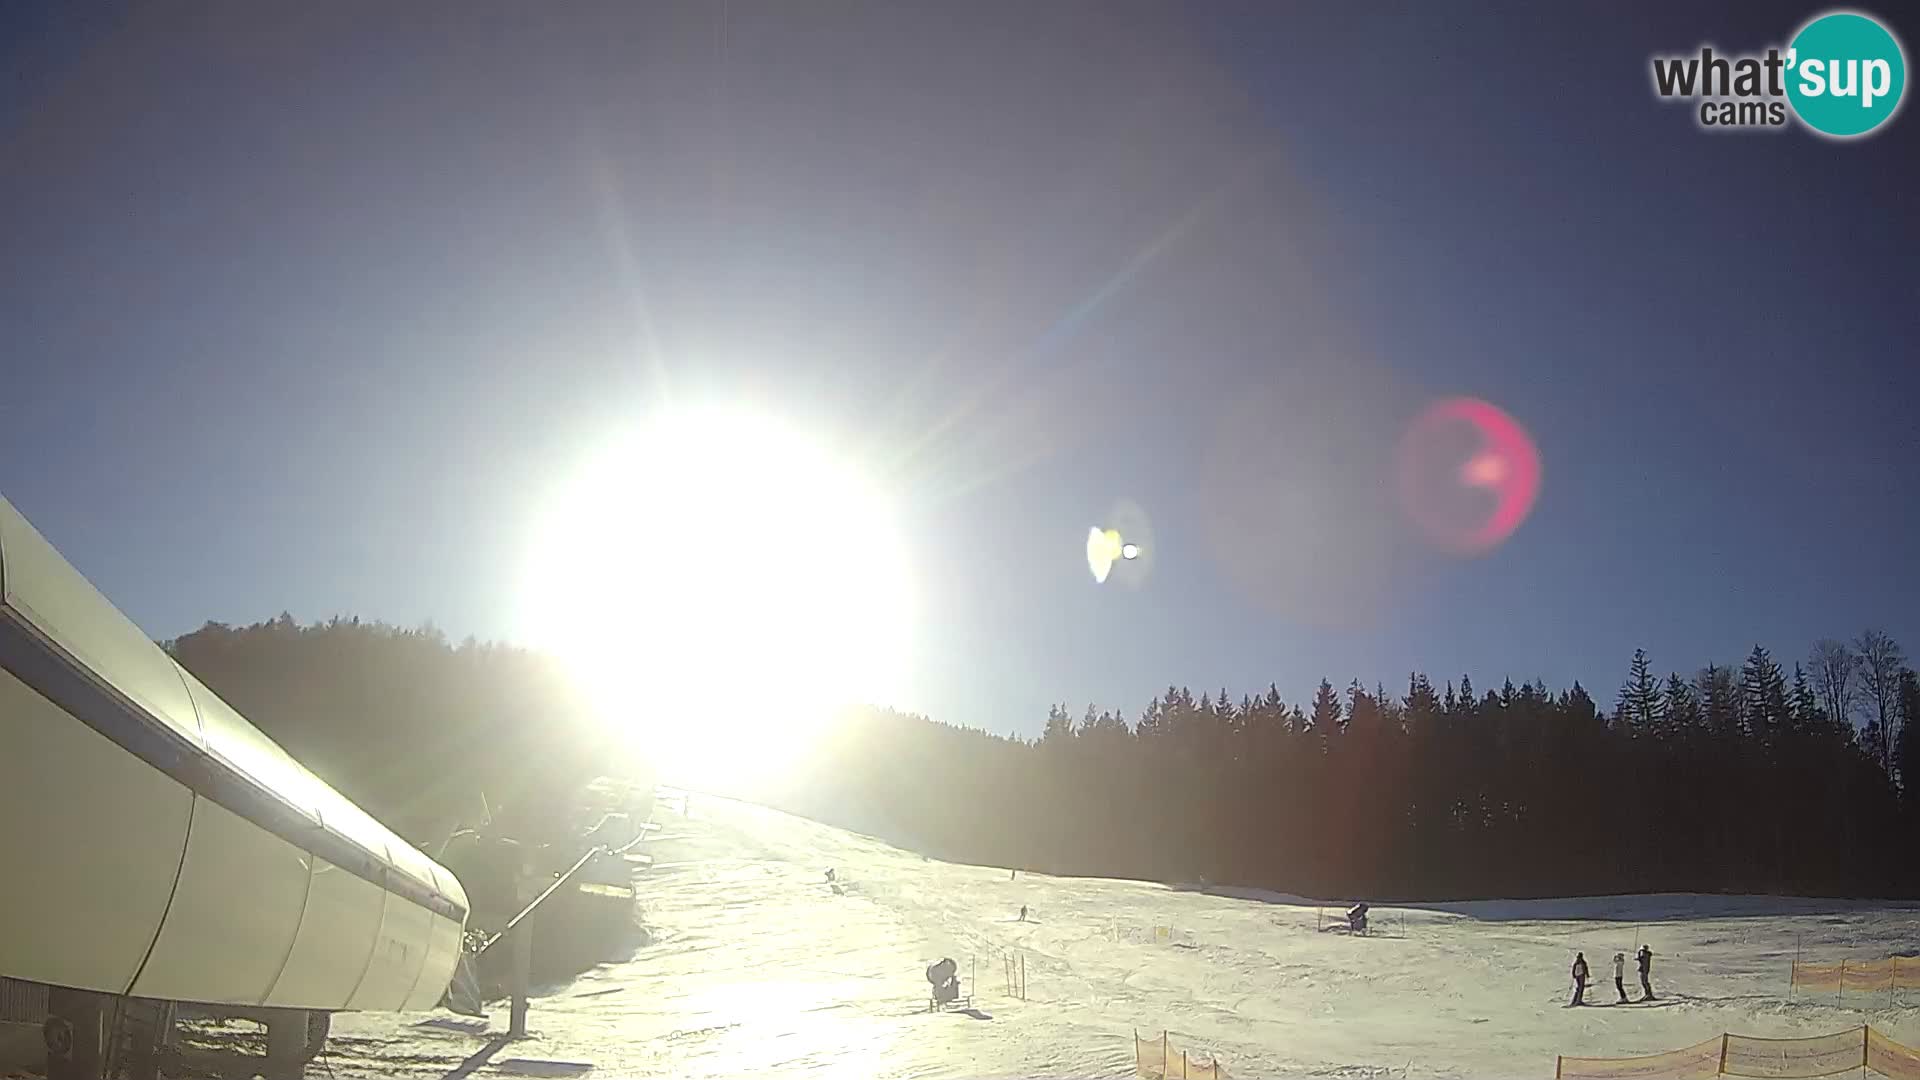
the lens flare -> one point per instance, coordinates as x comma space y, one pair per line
1469, 475
1103, 547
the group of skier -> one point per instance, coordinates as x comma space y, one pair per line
1645, 960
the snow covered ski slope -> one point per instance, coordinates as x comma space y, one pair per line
760, 969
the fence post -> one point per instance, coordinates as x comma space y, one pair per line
1023, 976
1724, 1039
1558, 1062
1796, 965
521, 961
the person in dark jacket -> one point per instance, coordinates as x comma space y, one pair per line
1579, 979
1645, 957
1620, 975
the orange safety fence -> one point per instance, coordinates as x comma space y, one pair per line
1693, 1063
1893, 973
1770, 1059
1789, 1059
1866, 975
1889, 1058
1156, 1059
1817, 976
1156, 934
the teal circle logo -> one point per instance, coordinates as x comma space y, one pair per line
1846, 74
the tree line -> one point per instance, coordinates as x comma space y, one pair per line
418, 731
1736, 778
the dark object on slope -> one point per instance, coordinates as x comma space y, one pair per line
1579, 979
945, 977
1357, 918
1645, 957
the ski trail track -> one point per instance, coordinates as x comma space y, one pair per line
758, 968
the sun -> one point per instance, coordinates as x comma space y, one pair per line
719, 584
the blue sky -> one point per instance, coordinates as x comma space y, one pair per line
308, 313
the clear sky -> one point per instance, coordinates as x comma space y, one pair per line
309, 310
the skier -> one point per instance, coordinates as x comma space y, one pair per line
829, 875
1646, 965
1620, 975
1579, 979
1023, 913
1357, 918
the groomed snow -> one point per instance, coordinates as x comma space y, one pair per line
759, 970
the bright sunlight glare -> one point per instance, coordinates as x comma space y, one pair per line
720, 584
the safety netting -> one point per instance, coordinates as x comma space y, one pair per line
1889, 1058
1153, 935
1159, 1059
1744, 1055
1698, 1061
1820, 1055
1892, 973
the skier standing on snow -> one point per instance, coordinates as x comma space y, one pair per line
1620, 975
1579, 979
1023, 913
1646, 965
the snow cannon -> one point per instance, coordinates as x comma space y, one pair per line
945, 977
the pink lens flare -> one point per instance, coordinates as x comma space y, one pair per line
1469, 474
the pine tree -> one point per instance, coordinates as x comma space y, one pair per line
1719, 701
1059, 729
1683, 707
1763, 695
1153, 720
1907, 744
1803, 709
1579, 707
1362, 714
1640, 705
1325, 719
1420, 707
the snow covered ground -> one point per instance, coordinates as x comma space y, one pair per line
759, 970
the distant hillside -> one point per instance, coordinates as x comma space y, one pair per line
412, 728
